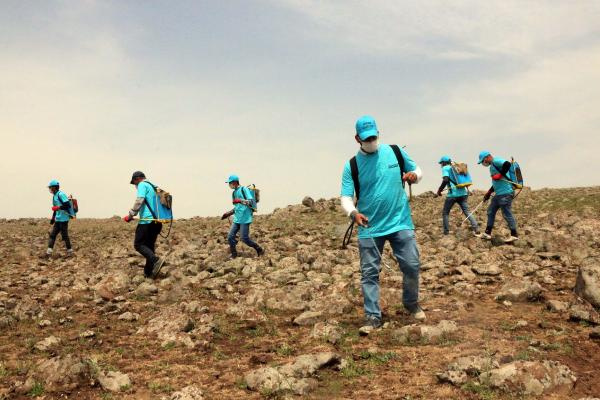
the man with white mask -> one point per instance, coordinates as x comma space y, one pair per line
376, 177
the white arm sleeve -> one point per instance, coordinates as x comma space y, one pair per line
348, 204
419, 174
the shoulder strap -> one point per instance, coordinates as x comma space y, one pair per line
243, 192
146, 201
400, 159
354, 172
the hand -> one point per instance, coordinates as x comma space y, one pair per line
497, 177
127, 218
409, 177
439, 193
237, 201
361, 219
55, 208
487, 196
225, 216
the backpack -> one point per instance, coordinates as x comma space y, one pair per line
515, 174
354, 170
74, 207
462, 177
162, 209
255, 196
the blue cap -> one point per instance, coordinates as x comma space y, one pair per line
445, 159
233, 178
366, 127
483, 155
53, 182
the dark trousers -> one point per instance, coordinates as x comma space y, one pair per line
464, 206
145, 243
244, 230
502, 202
63, 228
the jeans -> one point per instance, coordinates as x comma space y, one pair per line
504, 203
145, 243
404, 247
464, 206
244, 230
63, 228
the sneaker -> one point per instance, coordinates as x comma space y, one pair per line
372, 321
419, 314
477, 234
156, 268
70, 253
260, 251
511, 239
486, 236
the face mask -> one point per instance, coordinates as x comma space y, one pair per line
486, 164
370, 147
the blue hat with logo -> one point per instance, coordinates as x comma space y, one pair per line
366, 127
483, 155
53, 182
445, 159
233, 178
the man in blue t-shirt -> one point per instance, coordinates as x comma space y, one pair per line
244, 206
62, 212
382, 213
455, 196
148, 227
503, 187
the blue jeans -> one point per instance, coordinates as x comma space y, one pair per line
404, 247
244, 230
504, 203
464, 206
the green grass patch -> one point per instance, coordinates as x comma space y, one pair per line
285, 350
353, 370
157, 387
36, 390
378, 358
483, 391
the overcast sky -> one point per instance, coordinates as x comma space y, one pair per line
191, 91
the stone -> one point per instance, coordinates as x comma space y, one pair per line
530, 377
330, 332
49, 343
114, 381
191, 392
308, 318
129, 316
308, 202
557, 306
425, 333
595, 333
584, 312
587, 284
146, 289
487, 269
520, 291
59, 373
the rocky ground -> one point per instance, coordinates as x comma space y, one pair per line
504, 321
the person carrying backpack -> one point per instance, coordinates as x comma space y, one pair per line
148, 228
62, 212
376, 177
244, 205
456, 195
503, 187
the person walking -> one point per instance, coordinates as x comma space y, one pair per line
62, 212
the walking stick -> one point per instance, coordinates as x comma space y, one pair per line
472, 212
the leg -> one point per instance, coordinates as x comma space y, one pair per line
464, 206
231, 238
53, 235
506, 207
155, 230
370, 262
404, 246
491, 214
245, 236
64, 232
448, 203
142, 235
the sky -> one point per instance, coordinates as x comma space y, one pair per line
192, 91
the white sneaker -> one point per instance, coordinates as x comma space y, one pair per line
486, 236
476, 234
419, 315
511, 239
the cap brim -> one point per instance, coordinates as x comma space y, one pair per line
367, 134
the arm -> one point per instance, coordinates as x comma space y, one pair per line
139, 202
445, 181
503, 171
413, 174
348, 205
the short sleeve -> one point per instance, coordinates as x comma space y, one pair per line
409, 164
142, 189
446, 171
347, 182
62, 197
248, 192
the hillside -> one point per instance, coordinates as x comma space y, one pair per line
503, 320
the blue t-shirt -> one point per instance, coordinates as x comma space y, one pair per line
382, 197
146, 190
61, 215
242, 213
500, 186
453, 191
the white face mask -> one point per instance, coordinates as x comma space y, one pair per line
370, 147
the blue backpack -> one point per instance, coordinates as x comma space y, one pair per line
461, 175
515, 174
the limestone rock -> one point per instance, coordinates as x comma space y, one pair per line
587, 284
519, 291
114, 381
